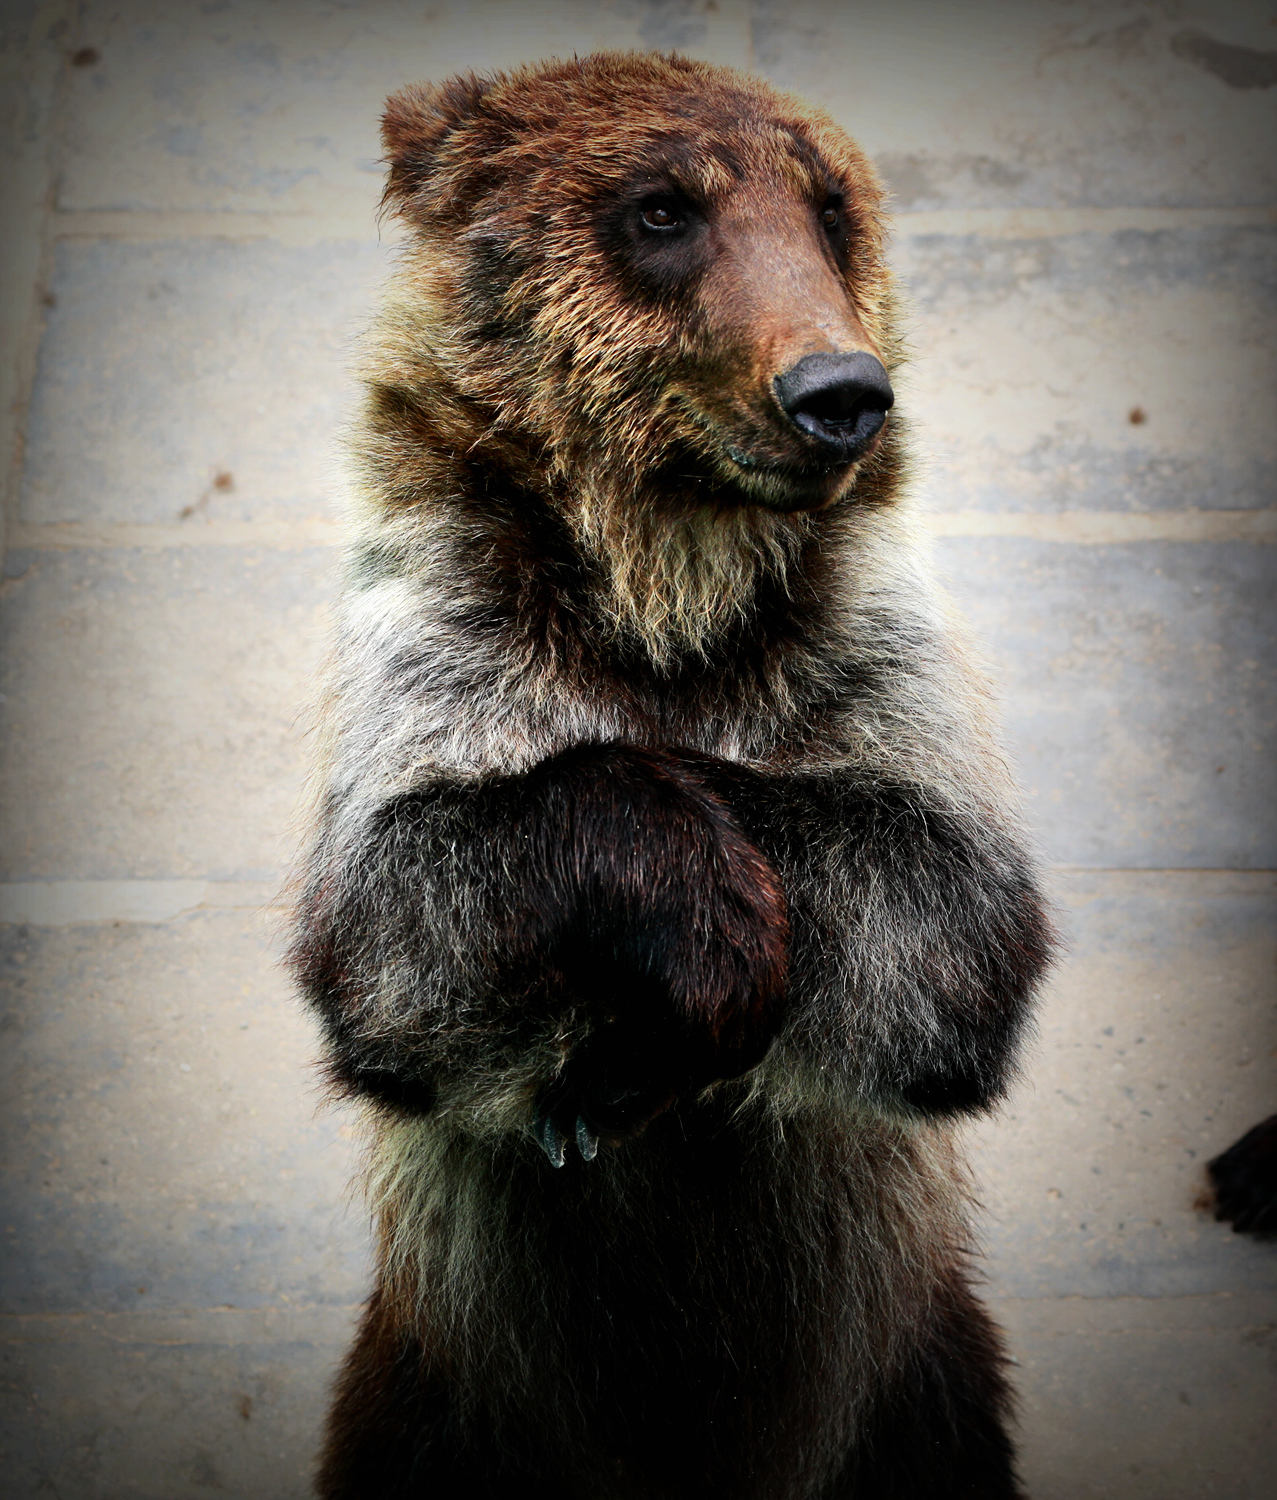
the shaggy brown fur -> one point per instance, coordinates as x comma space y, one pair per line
666, 898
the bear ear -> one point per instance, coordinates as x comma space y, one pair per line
416, 122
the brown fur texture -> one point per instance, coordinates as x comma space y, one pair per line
667, 897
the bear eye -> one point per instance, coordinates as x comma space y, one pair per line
661, 214
831, 215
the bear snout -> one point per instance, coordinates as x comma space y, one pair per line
840, 400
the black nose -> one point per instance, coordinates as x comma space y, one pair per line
839, 399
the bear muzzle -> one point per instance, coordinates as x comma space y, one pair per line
839, 400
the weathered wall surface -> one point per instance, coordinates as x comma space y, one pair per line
1087, 200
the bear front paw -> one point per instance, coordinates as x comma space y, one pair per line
616, 1083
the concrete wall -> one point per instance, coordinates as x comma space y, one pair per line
1086, 197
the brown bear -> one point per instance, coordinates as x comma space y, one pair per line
666, 904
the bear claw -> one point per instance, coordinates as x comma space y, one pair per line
554, 1142
587, 1142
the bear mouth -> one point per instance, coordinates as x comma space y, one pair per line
790, 486
759, 475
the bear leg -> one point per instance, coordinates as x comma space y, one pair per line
391, 1431
942, 1430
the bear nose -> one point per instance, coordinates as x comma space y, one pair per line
839, 399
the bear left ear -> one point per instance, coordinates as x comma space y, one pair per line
416, 122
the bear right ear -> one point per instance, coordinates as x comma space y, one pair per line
417, 121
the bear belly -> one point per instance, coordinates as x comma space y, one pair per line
713, 1309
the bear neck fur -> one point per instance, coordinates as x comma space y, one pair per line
666, 560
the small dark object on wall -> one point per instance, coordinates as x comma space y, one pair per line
1244, 1180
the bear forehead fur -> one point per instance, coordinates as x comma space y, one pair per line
569, 132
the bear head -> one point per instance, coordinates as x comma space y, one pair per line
655, 292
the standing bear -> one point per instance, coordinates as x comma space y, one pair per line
666, 904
